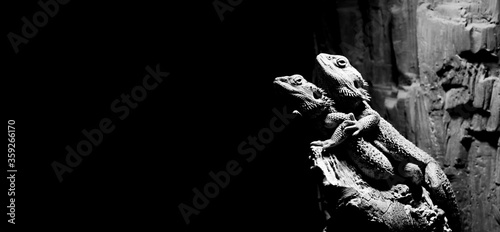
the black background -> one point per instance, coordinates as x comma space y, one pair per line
218, 93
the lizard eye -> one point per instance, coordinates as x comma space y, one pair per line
341, 62
298, 81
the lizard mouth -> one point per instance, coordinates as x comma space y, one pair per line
324, 61
284, 87
300, 94
320, 59
317, 93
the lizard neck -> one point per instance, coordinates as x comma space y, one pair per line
346, 103
317, 111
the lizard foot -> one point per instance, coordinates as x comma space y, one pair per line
323, 144
352, 127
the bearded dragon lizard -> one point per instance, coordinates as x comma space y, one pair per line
346, 87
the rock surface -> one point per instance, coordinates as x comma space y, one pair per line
450, 35
344, 195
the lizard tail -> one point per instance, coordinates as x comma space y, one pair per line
443, 195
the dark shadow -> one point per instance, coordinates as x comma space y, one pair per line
481, 56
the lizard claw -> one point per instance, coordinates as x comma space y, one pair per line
351, 117
323, 144
350, 122
354, 129
317, 143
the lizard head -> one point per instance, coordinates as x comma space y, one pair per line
342, 77
304, 96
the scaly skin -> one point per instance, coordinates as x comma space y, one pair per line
345, 85
312, 103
